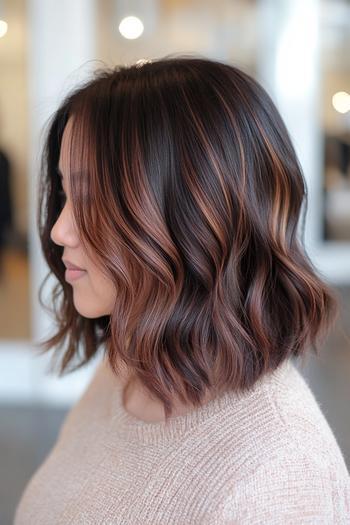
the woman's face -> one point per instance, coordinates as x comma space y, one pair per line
93, 292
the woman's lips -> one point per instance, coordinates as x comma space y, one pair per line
73, 275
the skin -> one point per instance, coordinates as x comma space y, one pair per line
94, 294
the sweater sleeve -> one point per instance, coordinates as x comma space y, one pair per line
287, 490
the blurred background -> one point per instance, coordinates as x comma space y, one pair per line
299, 50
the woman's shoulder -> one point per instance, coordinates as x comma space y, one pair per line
293, 485
280, 461
280, 416
303, 417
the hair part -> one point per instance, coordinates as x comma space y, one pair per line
190, 199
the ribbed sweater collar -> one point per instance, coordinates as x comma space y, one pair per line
132, 429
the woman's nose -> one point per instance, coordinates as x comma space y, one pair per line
63, 232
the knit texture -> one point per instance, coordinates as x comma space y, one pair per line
265, 457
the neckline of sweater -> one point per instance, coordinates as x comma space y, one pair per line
133, 429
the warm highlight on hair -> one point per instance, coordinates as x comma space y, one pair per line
186, 188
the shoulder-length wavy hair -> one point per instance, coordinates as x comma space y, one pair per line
190, 201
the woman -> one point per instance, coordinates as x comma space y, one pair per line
173, 185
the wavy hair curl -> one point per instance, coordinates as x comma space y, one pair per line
190, 200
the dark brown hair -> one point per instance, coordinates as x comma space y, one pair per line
190, 203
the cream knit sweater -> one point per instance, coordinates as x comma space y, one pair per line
267, 457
